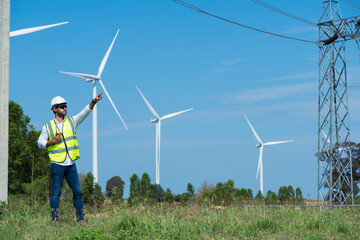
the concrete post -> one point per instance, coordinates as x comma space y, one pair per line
4, 96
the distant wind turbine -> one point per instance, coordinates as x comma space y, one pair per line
261, 146
33, 29
93, 79
158, 120
328, 140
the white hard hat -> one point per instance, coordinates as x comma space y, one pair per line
57, 100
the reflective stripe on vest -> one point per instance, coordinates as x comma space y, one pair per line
68, 145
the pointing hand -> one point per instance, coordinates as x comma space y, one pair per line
98, 97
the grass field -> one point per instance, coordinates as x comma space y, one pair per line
176, 221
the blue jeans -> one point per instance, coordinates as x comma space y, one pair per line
58, 173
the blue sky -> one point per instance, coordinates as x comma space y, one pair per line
180, 59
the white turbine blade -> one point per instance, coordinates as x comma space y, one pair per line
103, 62
107, 94
148, 104
174, 114
253, 130
260, 162
278, 142
323, 133
33, 29
82, 75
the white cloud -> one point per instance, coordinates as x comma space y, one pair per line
230, 62
225, 69
301, 30
271, 93
297, 76
228, 65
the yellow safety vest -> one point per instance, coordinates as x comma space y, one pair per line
68, 145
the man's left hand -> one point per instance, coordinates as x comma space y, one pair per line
98, 97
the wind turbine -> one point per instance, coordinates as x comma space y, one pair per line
158, 120
33, 29
328, 141
261, 146
94, 79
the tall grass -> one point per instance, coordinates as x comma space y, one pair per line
21, 220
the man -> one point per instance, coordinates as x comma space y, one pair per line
59, 137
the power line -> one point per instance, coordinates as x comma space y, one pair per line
351, 3
283, 12
239, 24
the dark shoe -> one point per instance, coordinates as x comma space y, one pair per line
55, 222
83, 222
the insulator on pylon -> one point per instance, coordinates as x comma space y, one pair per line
330, 40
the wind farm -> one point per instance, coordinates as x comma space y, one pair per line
261, 139
190, 61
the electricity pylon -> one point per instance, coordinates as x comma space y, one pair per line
335, 180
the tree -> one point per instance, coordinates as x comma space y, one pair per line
291, 193
205, 192
286, 194
298, 195
38, 190
270, 198
355, 160
169, 197
81, 177
26, 161
224, 193
183, 197
91, 191
98, 197
250, 194
158, 192
259, 195
115, 181
88, 188
145, 184
134, 189
190, 190
243, 194
116, 194
146, 191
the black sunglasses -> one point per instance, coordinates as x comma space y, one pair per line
61, 106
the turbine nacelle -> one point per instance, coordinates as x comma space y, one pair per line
154, 120
258, 145
95, 78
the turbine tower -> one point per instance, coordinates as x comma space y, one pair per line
261, 146
158, 120
94, 79
335, 181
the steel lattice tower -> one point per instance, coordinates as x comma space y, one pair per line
335, 184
